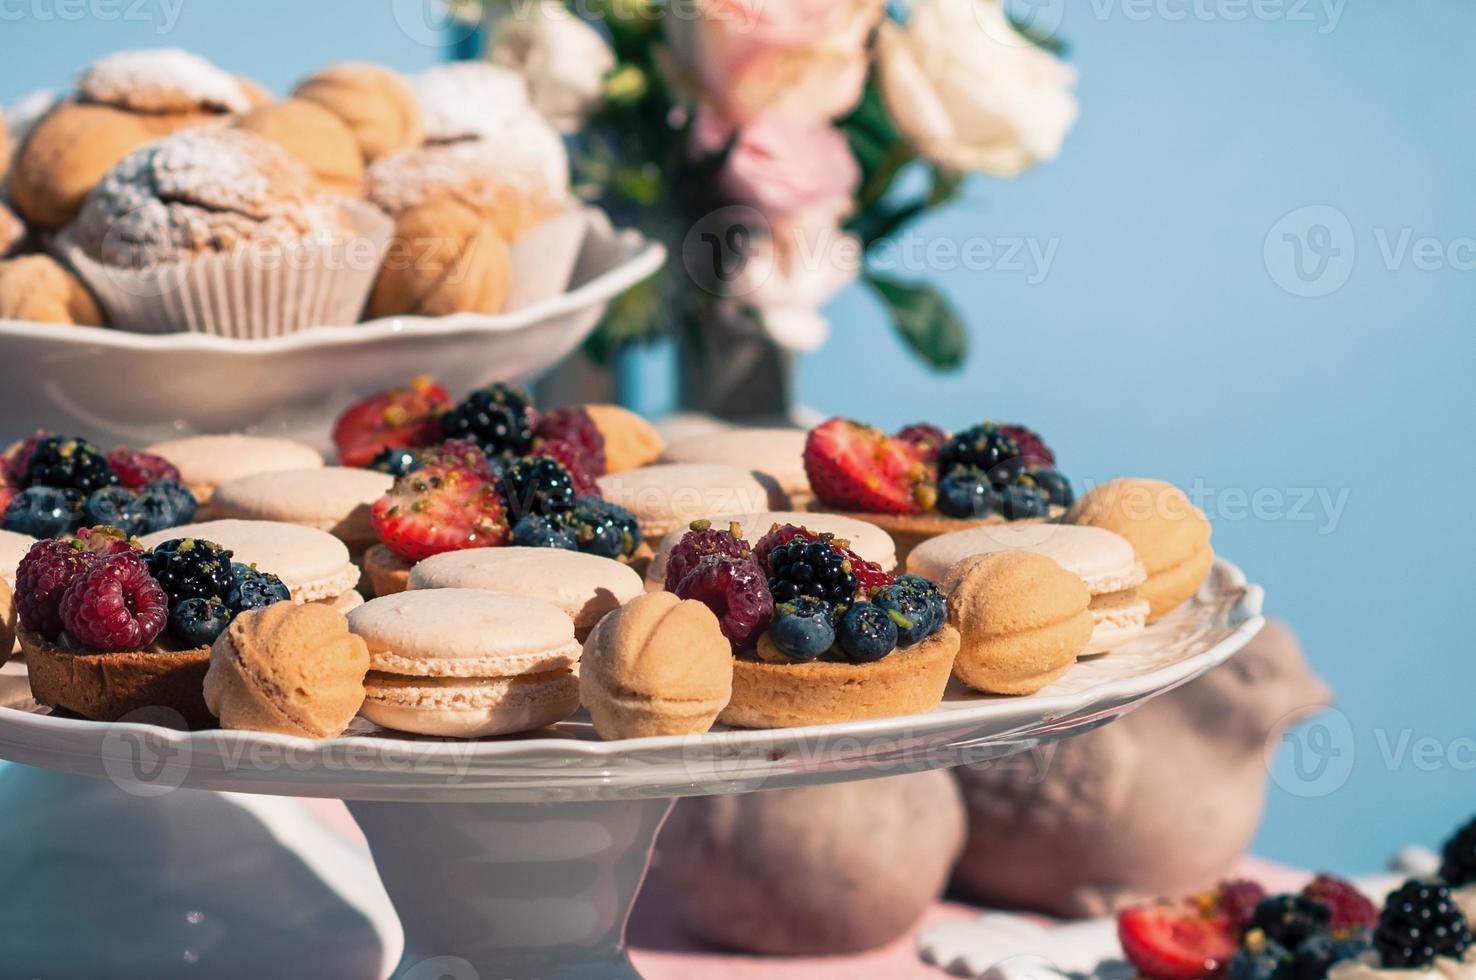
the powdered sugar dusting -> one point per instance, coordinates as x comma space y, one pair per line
469, 99
530, 160
162, 80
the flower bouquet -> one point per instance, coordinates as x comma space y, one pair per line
777, 146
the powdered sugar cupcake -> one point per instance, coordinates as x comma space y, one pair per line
217, 230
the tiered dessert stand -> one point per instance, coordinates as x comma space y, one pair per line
521, 857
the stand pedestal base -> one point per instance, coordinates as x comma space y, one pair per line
512, 890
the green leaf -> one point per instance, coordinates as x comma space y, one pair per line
926, 320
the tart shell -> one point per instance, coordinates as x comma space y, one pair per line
110, 686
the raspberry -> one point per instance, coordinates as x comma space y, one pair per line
735, 590
703, 539
1350, 908
927, 438
1033, 450
115, 605
1419, 922
18, 457
49, 568
1237, 901
458, 452
136, 470
191, 568
574, 425
67, 463
576, 461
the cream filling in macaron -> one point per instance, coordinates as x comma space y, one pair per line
1116, 618
469, 707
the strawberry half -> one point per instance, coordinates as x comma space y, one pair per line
856, 467
1181, 941
401, 418
437, 509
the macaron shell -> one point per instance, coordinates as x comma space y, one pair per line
336, 499
585, 587
1155, 517
775, 452
1023, 663
464, 633
470, 707
13, 548
866, 540
1104, 560
313, 564
671, 495
205, 462
1172, 587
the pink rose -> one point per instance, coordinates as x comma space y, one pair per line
793, 171
743, 58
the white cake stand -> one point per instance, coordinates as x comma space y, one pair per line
521, 857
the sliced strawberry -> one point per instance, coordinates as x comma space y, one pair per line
855, 467
401, 418
437, 509
1175, 941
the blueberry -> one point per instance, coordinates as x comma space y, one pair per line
395, 461
117, 507
910, 611
165, 504
44, 512
966, 492
937, 602
866, 633
601, 528
803, 629
197, 622
251, 589
1314, 957
1020, 500
538, 531
1057, 488
1269, 961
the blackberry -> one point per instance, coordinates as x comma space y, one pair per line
197, 622
804, 629
1290, 919
396, 461
165, 504
539, 485
1420, 922
966, 492
866, 633
538, 531
115, 507
66, 463
1458, 857
499, 418
43, 512
989, 448
189, 568
811, 568
252, 589
602, 528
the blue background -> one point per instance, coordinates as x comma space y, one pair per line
1159, 342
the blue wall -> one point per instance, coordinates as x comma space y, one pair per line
1159, 342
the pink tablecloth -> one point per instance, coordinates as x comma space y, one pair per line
663, 950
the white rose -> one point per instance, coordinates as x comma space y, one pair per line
563, 59
788, 277
970, 92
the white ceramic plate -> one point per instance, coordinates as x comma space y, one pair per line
569, 763
135, 388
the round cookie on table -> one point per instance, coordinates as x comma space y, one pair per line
668, 496
1170, 536
205, 462
110, 626
777, 454
923, 482
819, 634
584, 586
866, 540
52, 485
336, 499
467, 663
1104, 561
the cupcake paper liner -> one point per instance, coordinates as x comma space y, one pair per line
543, 260
253, 293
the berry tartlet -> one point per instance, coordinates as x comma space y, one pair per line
923, 482
483, 472
819, 634
109, 628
